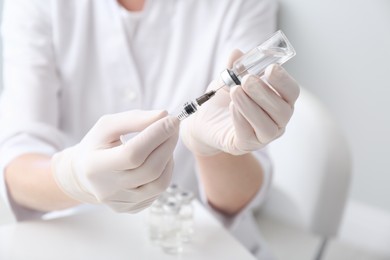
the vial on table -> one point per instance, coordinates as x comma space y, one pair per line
276, 50
172, 190
155, 219
171, 241
186, 214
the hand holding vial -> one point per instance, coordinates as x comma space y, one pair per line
251, 111
276, 50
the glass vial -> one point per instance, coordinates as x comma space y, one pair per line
155, 219
171, 241
172, 190
276, 50
186, 215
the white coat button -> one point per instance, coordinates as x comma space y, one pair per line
130, 95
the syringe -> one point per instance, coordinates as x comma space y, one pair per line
276, 50
191, 107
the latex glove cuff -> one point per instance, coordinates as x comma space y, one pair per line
67, 181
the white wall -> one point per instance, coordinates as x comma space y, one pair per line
343, 56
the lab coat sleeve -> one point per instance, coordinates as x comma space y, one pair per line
29, 100
249, 24
233, 222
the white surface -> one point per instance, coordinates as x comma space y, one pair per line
367, 228
291, 243
364, 234
288, 242
5, 215
343, 57
103, 234
342, 251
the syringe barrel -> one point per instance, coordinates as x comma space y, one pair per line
277, 49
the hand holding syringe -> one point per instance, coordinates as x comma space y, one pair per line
276, 50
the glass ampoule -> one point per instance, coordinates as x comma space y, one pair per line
186, 214
276, 50
155, 220
171, 241
172, 190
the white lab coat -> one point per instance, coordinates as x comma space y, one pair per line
66, 63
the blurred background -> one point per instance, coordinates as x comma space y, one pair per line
343, 51
343, 54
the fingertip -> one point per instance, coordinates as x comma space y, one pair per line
161, 113
232, 109
251, 85
273, 71
282, 83
172, 123
235, 92
174, 120
234, 55
249, 79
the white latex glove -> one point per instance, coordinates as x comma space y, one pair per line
128, 177
244, 119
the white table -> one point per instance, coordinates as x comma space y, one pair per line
103, 234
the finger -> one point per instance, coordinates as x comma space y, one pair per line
157, 186
245, 139
142, 205
153, 166
126, 206
264, 127
283, 83
132, 154
234, 55
275, 106
109, 128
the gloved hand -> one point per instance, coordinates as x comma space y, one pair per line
244, 118
128, 177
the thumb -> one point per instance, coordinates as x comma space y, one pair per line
109, 128
134, 152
